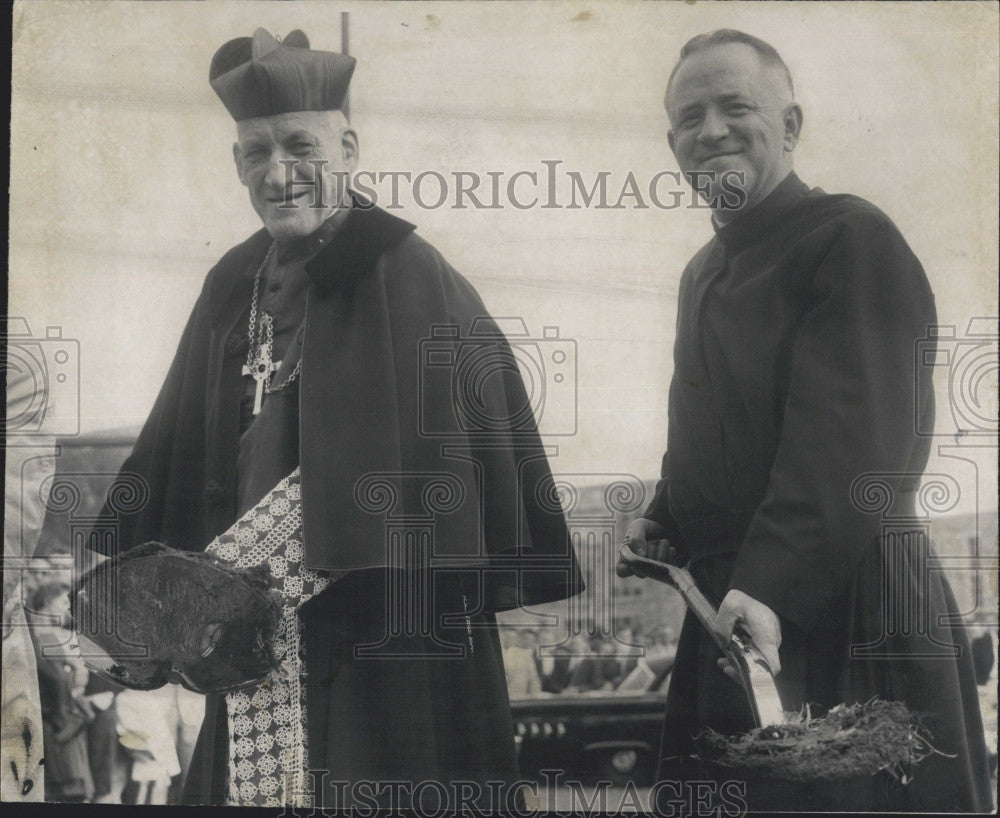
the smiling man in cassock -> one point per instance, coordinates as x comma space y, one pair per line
303, 356
794, 376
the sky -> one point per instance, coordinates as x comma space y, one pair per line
124, 193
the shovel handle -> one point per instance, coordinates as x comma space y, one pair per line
680, 579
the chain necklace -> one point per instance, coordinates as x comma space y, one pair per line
259, 364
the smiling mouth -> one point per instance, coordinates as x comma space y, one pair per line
720, 155
277, 200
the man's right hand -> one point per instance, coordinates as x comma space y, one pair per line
647, 539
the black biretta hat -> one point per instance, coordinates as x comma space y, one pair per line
259, 76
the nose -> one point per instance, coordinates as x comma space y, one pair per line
275, 176
282, 171
713, 126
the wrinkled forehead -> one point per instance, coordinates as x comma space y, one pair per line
722, 72
319, 124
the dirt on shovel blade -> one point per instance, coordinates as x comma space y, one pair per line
850, 741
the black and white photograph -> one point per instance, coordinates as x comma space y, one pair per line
502, 408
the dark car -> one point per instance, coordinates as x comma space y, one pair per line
599, 735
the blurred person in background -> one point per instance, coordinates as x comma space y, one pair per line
146, 731
520, 667
661, 643
597, 673
981, 640
557, 679
29, 461
186, 711
108, 763
62, 681
628, 642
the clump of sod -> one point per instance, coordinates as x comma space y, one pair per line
850, 741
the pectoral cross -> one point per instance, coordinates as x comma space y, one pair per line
261, 370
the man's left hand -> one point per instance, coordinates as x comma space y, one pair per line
760, 623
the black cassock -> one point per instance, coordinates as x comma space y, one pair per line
390, 464
794, 410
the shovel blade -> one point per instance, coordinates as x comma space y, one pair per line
755, 675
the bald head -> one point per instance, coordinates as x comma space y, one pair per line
773, 67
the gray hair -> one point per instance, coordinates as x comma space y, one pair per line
724, 36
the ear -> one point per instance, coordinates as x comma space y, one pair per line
793, 126
238, 159
672, 142
349, 147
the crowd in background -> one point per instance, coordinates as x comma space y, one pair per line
582, 664
103, 743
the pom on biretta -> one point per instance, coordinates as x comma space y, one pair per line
259, 76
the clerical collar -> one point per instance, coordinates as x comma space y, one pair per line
760, 219
307, 247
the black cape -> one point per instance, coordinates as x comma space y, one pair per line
794, 383
411, 410
412, 429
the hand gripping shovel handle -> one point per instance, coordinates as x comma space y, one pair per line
754, 674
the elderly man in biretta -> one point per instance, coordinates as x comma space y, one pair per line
299, 409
